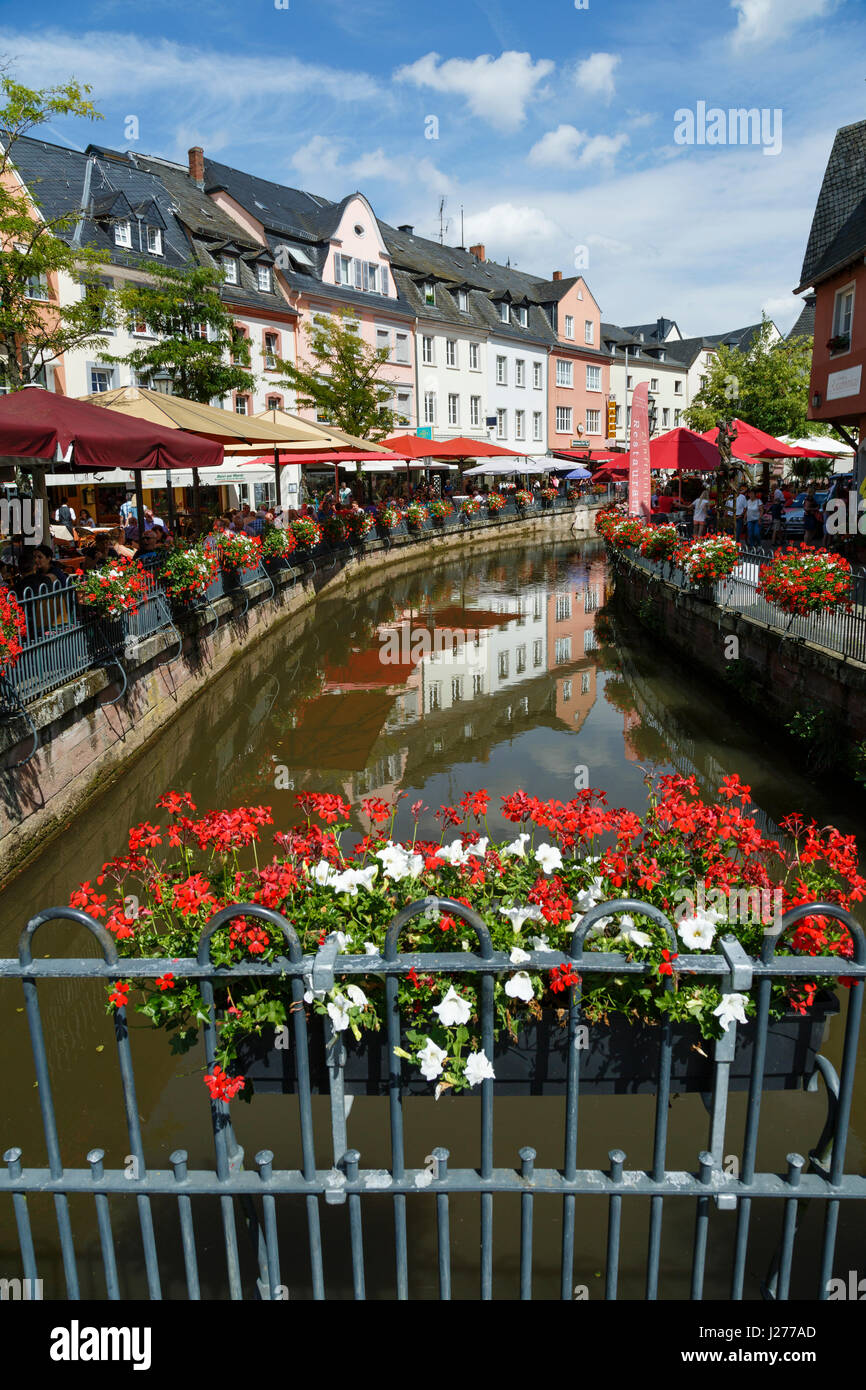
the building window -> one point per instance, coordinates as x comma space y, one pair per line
274, 403
230, 270
123, 234
566, 691
522, 315
593, 422
666, 418
370, 277
429, 293
453, 410
562, 650
537, 380
427, 351
474, 358
588, 331
242, 405
589, 640
501, 424
271, 350
564, 372
678, 388
629, 381
563, 607
503, 666
450, 352
456, 689
238, 348
477, 684
342, 270
463, 301
154, 241
402, 350
404, 408
100, 380
383, 340
429, 407
520, 424
654, 383
503, 311
537, 656
475, 410
536, 425
138, 328
520, 659
563, 419
590, 601
593, 378
677, 417
520, 372
501, 371
702, 382
434, 695
264, 279
569, 325
843, 317
385, 287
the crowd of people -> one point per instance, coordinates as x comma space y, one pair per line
754, 518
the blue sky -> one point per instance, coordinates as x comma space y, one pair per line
554, 125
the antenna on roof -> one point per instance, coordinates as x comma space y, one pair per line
462, 237
443, 224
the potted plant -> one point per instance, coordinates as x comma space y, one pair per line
660, 543
306, 532
803, 580
186, 574
115, 589
237, 552
358, 524
469, 507
334, 529
278, 545
416, 515
548, 495
523, 499
388, 518
707, 561
694, 860
440, 510
839, 342
495, 502
13, 628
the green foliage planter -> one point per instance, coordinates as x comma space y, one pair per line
619, 1058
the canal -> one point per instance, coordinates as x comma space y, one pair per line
555, 681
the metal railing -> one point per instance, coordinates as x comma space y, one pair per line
283, 1207
842, 631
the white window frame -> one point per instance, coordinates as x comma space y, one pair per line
264, 279
593, 378
569, 325
654, 383
100, 372
501, 423
503, 311
537, 376
501, 371
230, 270
564, 417
429, 407
123, 234
402, 350
564, 372
475, 411
474, 357
588, 331
678, 388
429, 292
453, 408
537, 425
156, 248
451, 352
463, 301
386, 334
593, 421
428, 350
847, 292
520, 372
520, 424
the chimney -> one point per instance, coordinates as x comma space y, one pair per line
660, 330
405, 227
478, 252
196, 164
557, 275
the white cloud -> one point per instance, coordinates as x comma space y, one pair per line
763, 21
322, 163
521, 232
602, 149
497, 90
594, 76
558, 147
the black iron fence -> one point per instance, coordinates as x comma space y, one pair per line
266, 1201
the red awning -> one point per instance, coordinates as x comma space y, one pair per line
460, 447
36, 423
682, 451
753, 443
325, 457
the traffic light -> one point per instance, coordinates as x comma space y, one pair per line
611, 420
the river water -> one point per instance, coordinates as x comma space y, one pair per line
555, 682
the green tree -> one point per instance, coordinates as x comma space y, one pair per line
198, 344
767, 385
341, 380
35, 248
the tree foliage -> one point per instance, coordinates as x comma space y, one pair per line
342, 379
198, 345
35, 330
767, 385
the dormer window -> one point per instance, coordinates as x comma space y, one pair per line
123, 234
230, 269
522, 315
429, 292
264, 278
154, 241
463, 301
503, 311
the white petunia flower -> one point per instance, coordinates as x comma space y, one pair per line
518, 915
364, 877
541, 943
479, 849
338, 1013
398, 863
453, 854
519, 957
732, 1007
324, 873
478, 1068
549, 857
432, 1059
597, 929
452, 1010
697, 932
370, 948
520, 987
637, 938
345, 882
517, 848
357, 996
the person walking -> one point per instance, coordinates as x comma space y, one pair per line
701, 509
777, 513
740, 513
811, 521
754, 509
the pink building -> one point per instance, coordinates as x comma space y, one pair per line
579, 367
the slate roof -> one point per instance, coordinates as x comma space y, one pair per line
838, 231
57, 179
653, 332
805, 325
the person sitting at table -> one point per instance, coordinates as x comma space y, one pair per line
85, 519
130, 532
45, 567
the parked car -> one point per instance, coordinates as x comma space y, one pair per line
793, 515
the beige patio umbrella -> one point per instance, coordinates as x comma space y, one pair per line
322, 435
238, 434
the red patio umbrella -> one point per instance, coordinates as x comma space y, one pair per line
682, 451
459, 447
757, 444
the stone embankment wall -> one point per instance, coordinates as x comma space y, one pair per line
86, 741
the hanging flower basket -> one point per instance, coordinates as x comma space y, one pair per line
803, 580
530, 893
660, 543
115, 589
357, 524
708, 560
416, 515
13, 627
278, 546
470, 506
237, 552
440, 510
306, 533
523, 499
495, 502
387, 519
186, 574
334, 530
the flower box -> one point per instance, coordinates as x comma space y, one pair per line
620, 1058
